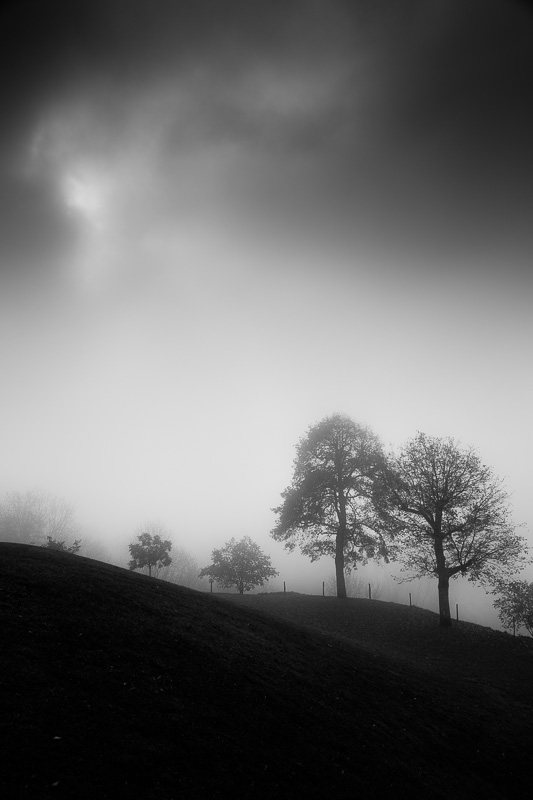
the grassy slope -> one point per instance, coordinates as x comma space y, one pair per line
115, 683
412, 636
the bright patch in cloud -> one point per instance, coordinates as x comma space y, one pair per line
86, 197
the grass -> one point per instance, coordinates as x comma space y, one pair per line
114, 684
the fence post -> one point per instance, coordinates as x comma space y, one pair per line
211, 582
410, 604
369, 592
283, 587
457, 612
322, 588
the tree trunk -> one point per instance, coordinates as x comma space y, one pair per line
445, 619
341, 535
339, 564
444, 601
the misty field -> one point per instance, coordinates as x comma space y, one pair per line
115, 684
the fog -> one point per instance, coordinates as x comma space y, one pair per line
222, 222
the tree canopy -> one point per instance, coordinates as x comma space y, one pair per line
150, 551
451, 516
329, 508
241, 564
515, 605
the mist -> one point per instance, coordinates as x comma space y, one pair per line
221, 223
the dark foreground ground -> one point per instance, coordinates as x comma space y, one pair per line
117, 685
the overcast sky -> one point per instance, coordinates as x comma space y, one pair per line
222, 221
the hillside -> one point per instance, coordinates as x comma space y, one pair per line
412, 636
114, 684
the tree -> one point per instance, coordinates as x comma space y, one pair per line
515, 605
330, 506
241, 564
32, 517
150, 551
451, 516
55, 544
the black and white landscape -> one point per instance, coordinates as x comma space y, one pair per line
223, 224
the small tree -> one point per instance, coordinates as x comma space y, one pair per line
55, 544
451, 516
150, 551
515, 605
241, 564
330, 506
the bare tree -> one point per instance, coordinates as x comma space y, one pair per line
451, 516
31, 517
329, 507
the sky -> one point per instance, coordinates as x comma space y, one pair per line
223, 221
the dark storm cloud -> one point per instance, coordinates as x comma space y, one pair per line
104, 55
410, 121
50, 47
434, 64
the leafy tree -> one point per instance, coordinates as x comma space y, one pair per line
330, 506
150, 551
451, 516
32, 517
515, 605
241, 564
55, 544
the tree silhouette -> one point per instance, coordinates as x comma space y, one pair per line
241, 564
330, 506
55, 544
451, 516
150, 551
515, 605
